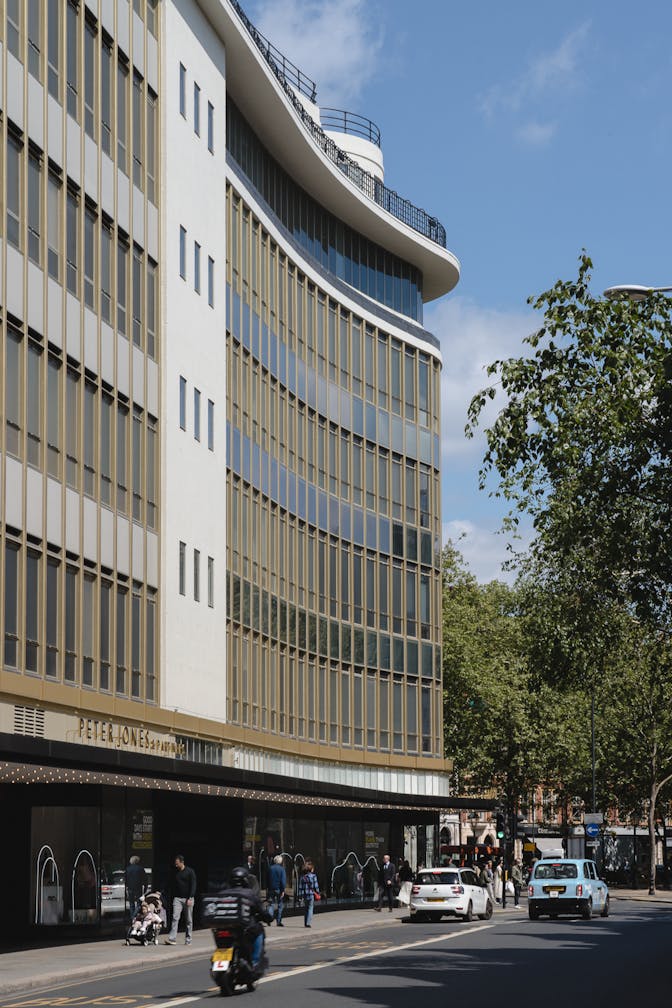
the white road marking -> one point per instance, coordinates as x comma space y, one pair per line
339, 962
369, 955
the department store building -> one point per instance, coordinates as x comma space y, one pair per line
220, 485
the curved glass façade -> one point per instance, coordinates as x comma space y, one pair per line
338, 249
333, 513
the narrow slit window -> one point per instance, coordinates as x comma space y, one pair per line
211, 128
211, 282
183, 403
183, 91
197, 415
183, 253
197, 109
197, 267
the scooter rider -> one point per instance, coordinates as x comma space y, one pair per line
251, 909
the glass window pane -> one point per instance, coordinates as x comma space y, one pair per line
11, 605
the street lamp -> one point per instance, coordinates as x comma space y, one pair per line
634, 292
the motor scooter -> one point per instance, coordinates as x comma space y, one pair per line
230, 964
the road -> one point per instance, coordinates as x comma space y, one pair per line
507, 961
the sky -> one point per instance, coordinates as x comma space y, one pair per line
532, 130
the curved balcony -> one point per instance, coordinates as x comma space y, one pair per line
405, 211
339, 121
286, 70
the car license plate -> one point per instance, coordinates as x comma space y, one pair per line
435, 899
554, 894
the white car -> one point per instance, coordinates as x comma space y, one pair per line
113, 895
438, 892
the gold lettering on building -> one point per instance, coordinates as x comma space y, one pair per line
127, 737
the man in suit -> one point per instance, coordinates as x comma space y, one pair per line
387, 876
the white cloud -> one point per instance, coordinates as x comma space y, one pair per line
550, 75
537, 134
484, 549
471, 338
335, 42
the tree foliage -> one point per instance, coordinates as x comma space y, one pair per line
504, 726
583, 442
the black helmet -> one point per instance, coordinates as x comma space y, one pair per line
239, 878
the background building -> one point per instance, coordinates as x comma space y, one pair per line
220, 464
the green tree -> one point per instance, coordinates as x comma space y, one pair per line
583, 444
635, 729
504, 726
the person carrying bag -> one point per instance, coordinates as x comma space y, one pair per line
309, 891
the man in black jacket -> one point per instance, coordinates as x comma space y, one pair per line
183, 891
386, 878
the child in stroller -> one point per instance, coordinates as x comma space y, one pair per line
146, 925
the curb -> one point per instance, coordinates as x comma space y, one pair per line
642, 899
89, 972
39, 980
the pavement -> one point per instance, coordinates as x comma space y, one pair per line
32, 968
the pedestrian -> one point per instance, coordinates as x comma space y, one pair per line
517, 879
386, 880
405, 873
183, 891
309, 891
498, 881
277, 881
251, 866
487, 879
135, 883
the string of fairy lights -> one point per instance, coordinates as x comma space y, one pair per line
29, 773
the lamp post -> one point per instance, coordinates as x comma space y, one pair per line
634, 292
474, 818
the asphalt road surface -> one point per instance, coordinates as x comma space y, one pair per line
507, 961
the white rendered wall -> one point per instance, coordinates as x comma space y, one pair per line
367, 154
193, 346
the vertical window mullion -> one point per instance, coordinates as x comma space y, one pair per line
71, 623
90, 79
72, 242
14, 394
53, 610
72, 60
14, 204
54, 48
122, 117
138, 297
35, 208
12, 578
54, 226
138, 131
90, 255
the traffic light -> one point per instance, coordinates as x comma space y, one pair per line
514, 829
500, 827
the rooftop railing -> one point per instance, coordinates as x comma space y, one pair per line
287, 70
290, 77
350, 122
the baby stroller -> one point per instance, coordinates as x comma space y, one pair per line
146, 925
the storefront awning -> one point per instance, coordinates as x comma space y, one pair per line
549, 846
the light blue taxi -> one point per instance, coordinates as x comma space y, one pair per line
567, 886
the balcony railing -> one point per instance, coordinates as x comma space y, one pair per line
290, 77
283, 67
349, 122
